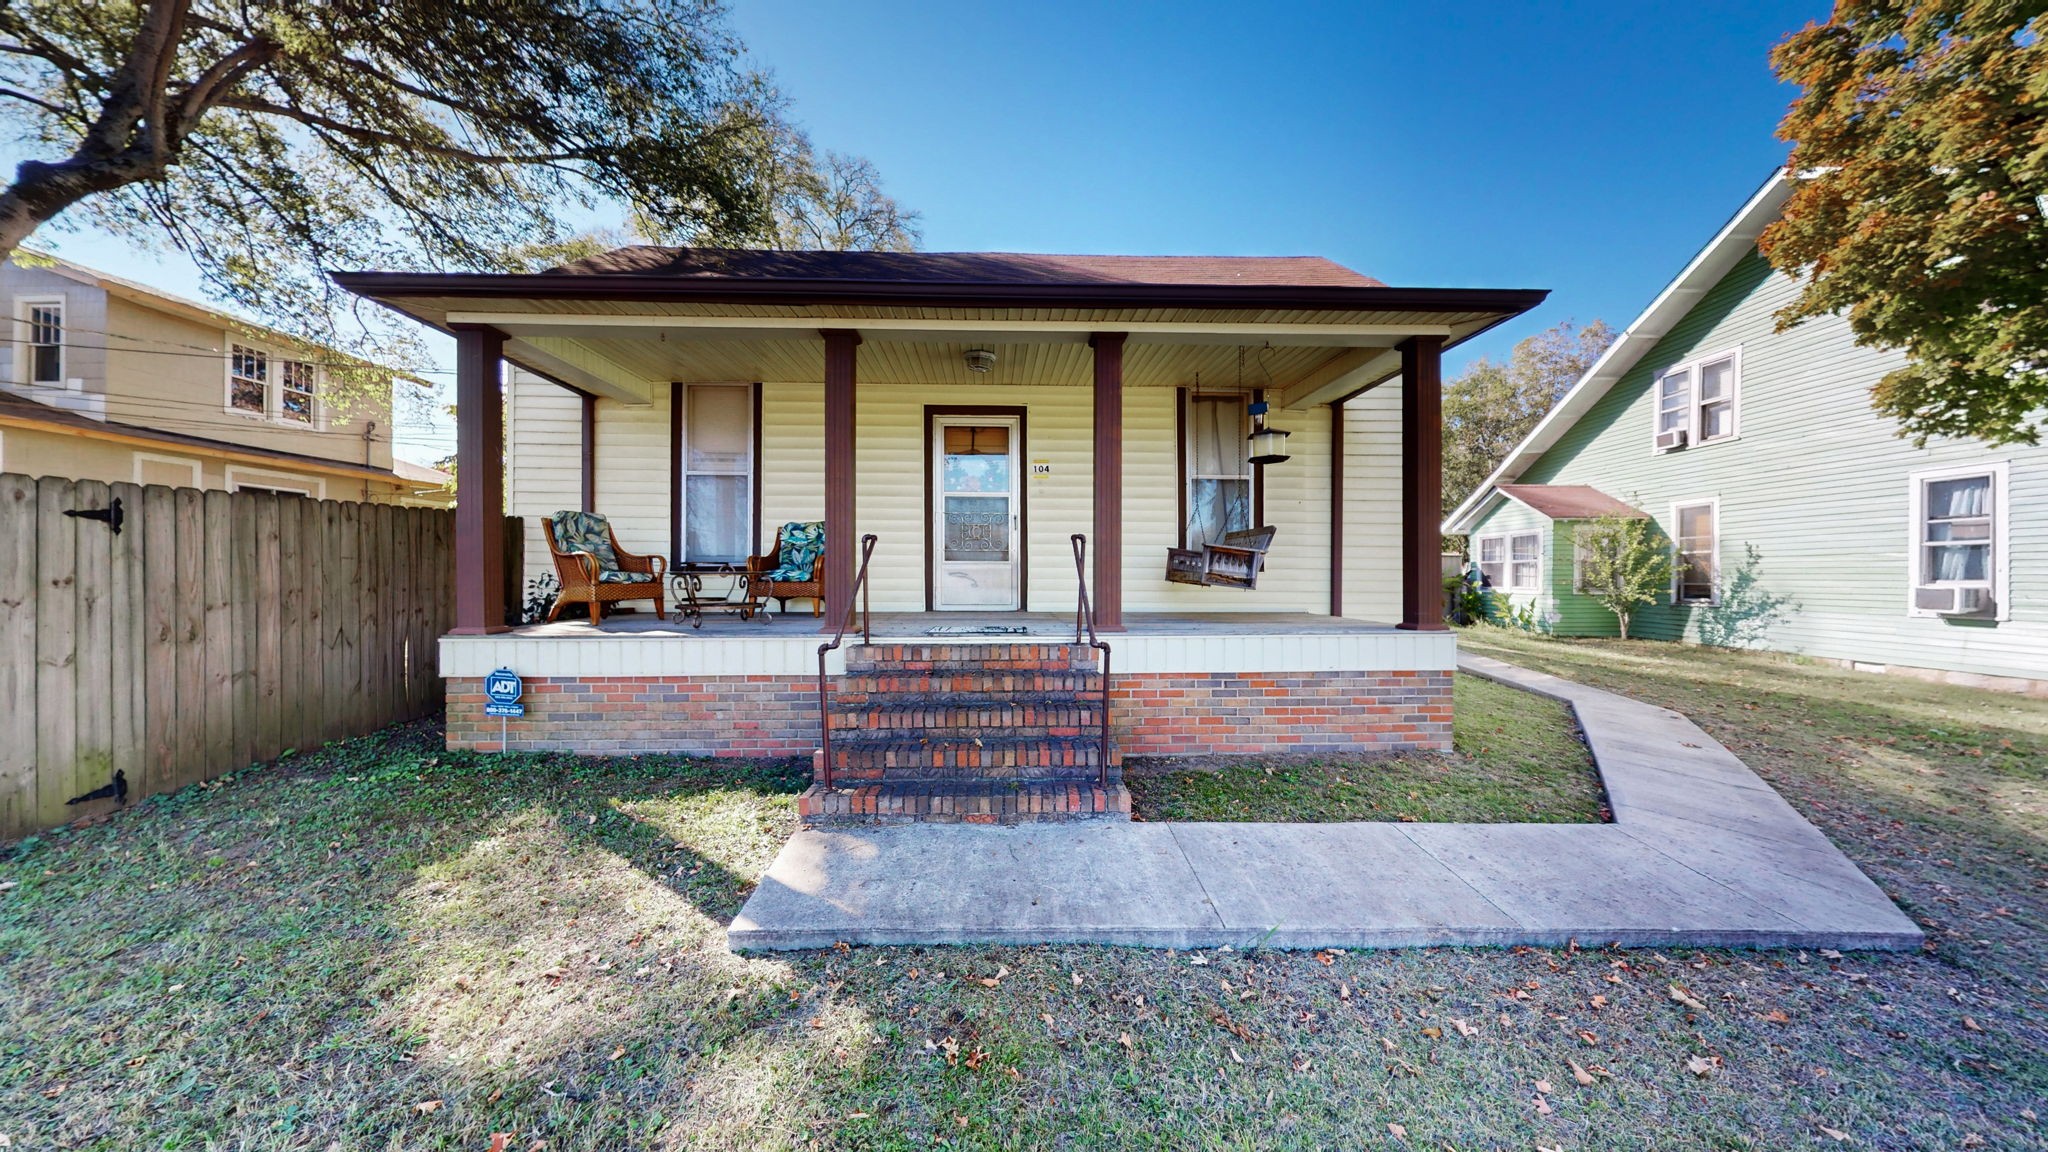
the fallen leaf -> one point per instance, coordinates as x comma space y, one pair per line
992, 981
1325, 958
499, 1140
1343, 991
1124, 1038
1588, 1037
621, 1049
1543, 1087
1580, 1074
1835, 1134
1542, 1106
1598, 1001
1464, 1029
1399, 1132
1970, 1024
1198, 960
1234, 1057
1047, 1017
495, 1096
976, 1057
1077, 979
1702, 1066
1682, 996
1387, 1044
1777, 1016
1433, 1033
856, 1115
426, 1106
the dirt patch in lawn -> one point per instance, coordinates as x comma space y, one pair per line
1516, 758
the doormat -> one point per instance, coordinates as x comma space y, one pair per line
978, 630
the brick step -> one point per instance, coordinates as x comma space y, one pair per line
979, 681
885, 658
993, 755
966, 713
998, 803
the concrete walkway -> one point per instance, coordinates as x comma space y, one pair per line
1701, 852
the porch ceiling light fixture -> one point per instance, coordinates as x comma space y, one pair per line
980, 360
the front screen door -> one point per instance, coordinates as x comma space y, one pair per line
976, 558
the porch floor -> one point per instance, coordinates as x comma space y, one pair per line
724, 625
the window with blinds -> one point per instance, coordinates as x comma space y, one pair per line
717, 481
1219, 475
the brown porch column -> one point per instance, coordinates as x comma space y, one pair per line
1108, 592
590, 453
480, 481
1337, 508
841, 549
1422, 483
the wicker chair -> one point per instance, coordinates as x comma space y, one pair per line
594, 570
794, 569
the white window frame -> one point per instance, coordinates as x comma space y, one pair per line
752, 471
2000, 583
1189, 476
312, 487
1479, 544
1691, 426
1536, 582
1714, 556
273, 386
142, 458
23, 359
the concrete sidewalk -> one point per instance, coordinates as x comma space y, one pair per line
1701, 852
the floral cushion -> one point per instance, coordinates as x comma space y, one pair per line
588, 532
614, 576
802, 544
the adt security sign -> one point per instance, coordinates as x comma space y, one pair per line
502, 690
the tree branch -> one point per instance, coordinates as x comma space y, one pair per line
362, 135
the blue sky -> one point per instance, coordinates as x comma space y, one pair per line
1586, 148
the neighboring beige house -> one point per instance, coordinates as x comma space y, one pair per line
106, 379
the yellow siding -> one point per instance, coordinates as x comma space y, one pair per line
633, 488
1372, 505
170, 373
544, 464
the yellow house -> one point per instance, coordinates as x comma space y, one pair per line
1057, 527
106, 379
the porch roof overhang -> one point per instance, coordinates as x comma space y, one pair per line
616, 334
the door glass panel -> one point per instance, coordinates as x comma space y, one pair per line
977, 459
978, 528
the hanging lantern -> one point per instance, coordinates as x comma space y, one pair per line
1269, 445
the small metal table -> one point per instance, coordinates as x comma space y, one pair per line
687, 584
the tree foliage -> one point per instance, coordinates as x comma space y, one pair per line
1624, 563
271, 141
1922, 138
1490, 407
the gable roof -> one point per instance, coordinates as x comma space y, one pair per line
1569, 501
1722, 253
966, 268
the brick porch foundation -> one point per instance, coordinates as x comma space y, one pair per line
1154, 714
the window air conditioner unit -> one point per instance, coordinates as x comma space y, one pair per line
1950, 600
1672, 439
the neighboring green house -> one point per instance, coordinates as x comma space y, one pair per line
1800, 521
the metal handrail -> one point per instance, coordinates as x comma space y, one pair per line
860, 585
1084, 625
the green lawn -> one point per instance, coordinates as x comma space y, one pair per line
387, 946
1517, 757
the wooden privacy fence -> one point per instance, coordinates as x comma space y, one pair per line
212, 631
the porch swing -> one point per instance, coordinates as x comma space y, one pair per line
1234, 560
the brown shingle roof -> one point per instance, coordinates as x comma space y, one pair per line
989, 268
1569, 501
